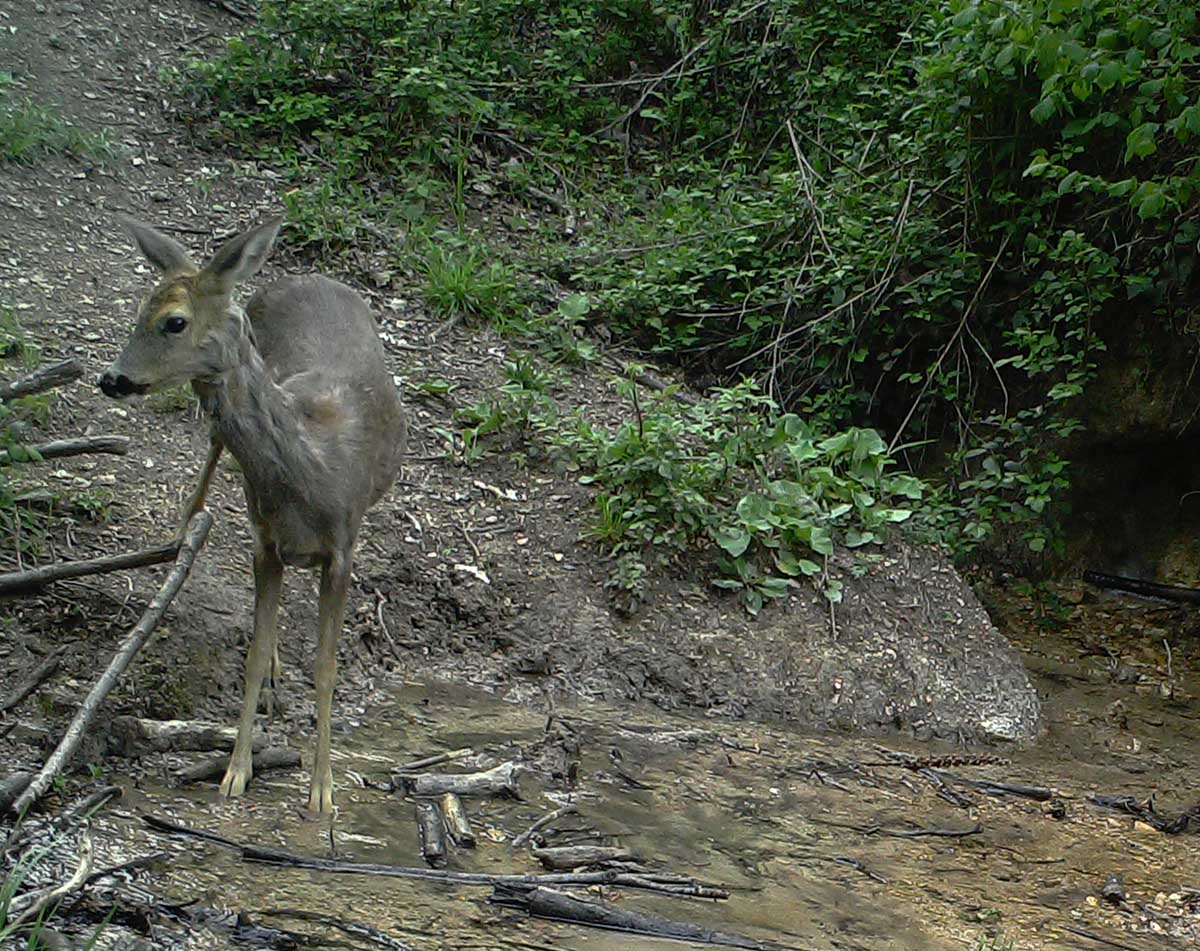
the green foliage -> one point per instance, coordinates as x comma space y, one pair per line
468, 282
29, 131
764, 497
925, 218
520, 403
762, 491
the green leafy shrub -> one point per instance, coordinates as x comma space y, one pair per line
732, 475
927, 219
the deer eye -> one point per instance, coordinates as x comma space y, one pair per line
174, 325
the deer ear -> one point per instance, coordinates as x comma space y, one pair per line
166, 254
240, 257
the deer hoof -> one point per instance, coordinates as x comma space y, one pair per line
235, 781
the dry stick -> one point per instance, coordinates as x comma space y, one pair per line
554, 905
457, 822
658, 80
431, 830
962, 323
193, 539
274, 757
436, 760
20, 582
112, 445
664, 884
42, 379
499, 781
529, 833
36, 678
42, 899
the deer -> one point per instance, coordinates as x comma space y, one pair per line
296, 388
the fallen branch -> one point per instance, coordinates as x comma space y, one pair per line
457, 823
923, 833
1038, 793
137, 736
500, 780
903, 833
576, 856
557, 814
559, 906
665, 884
40, 900
274, 757
1147, 589
431, 830
193, 539
20, 582
41, 673
436, 760
1146, 812
42, 379
112, 445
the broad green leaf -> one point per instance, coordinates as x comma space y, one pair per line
1140, 141
821, 541
733, 539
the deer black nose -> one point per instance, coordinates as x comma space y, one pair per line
118, 385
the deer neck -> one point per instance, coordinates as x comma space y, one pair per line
255, 418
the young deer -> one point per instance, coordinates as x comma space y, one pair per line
297, 390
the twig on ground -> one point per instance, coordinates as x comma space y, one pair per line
567, 810
41, 673
193, 539
436, 760
903, 833
20, 582
559, 906
576, 856
274, 757
112, 445
665, 884
42, 379
41, 899
500, 780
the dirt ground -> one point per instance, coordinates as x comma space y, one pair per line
539, 631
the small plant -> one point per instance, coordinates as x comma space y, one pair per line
733, 475
436, 388
468, 282
521, 402
996, 942
29, 130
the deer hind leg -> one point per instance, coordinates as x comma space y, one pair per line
268, 576
335, 582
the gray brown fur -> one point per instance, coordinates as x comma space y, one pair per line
299, 392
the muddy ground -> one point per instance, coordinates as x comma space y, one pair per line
434, 657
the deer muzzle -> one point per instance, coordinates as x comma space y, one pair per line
118, 385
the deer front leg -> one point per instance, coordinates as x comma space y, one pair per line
196, 502
268, 575
335, 582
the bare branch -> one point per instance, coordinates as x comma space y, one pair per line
193, 539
